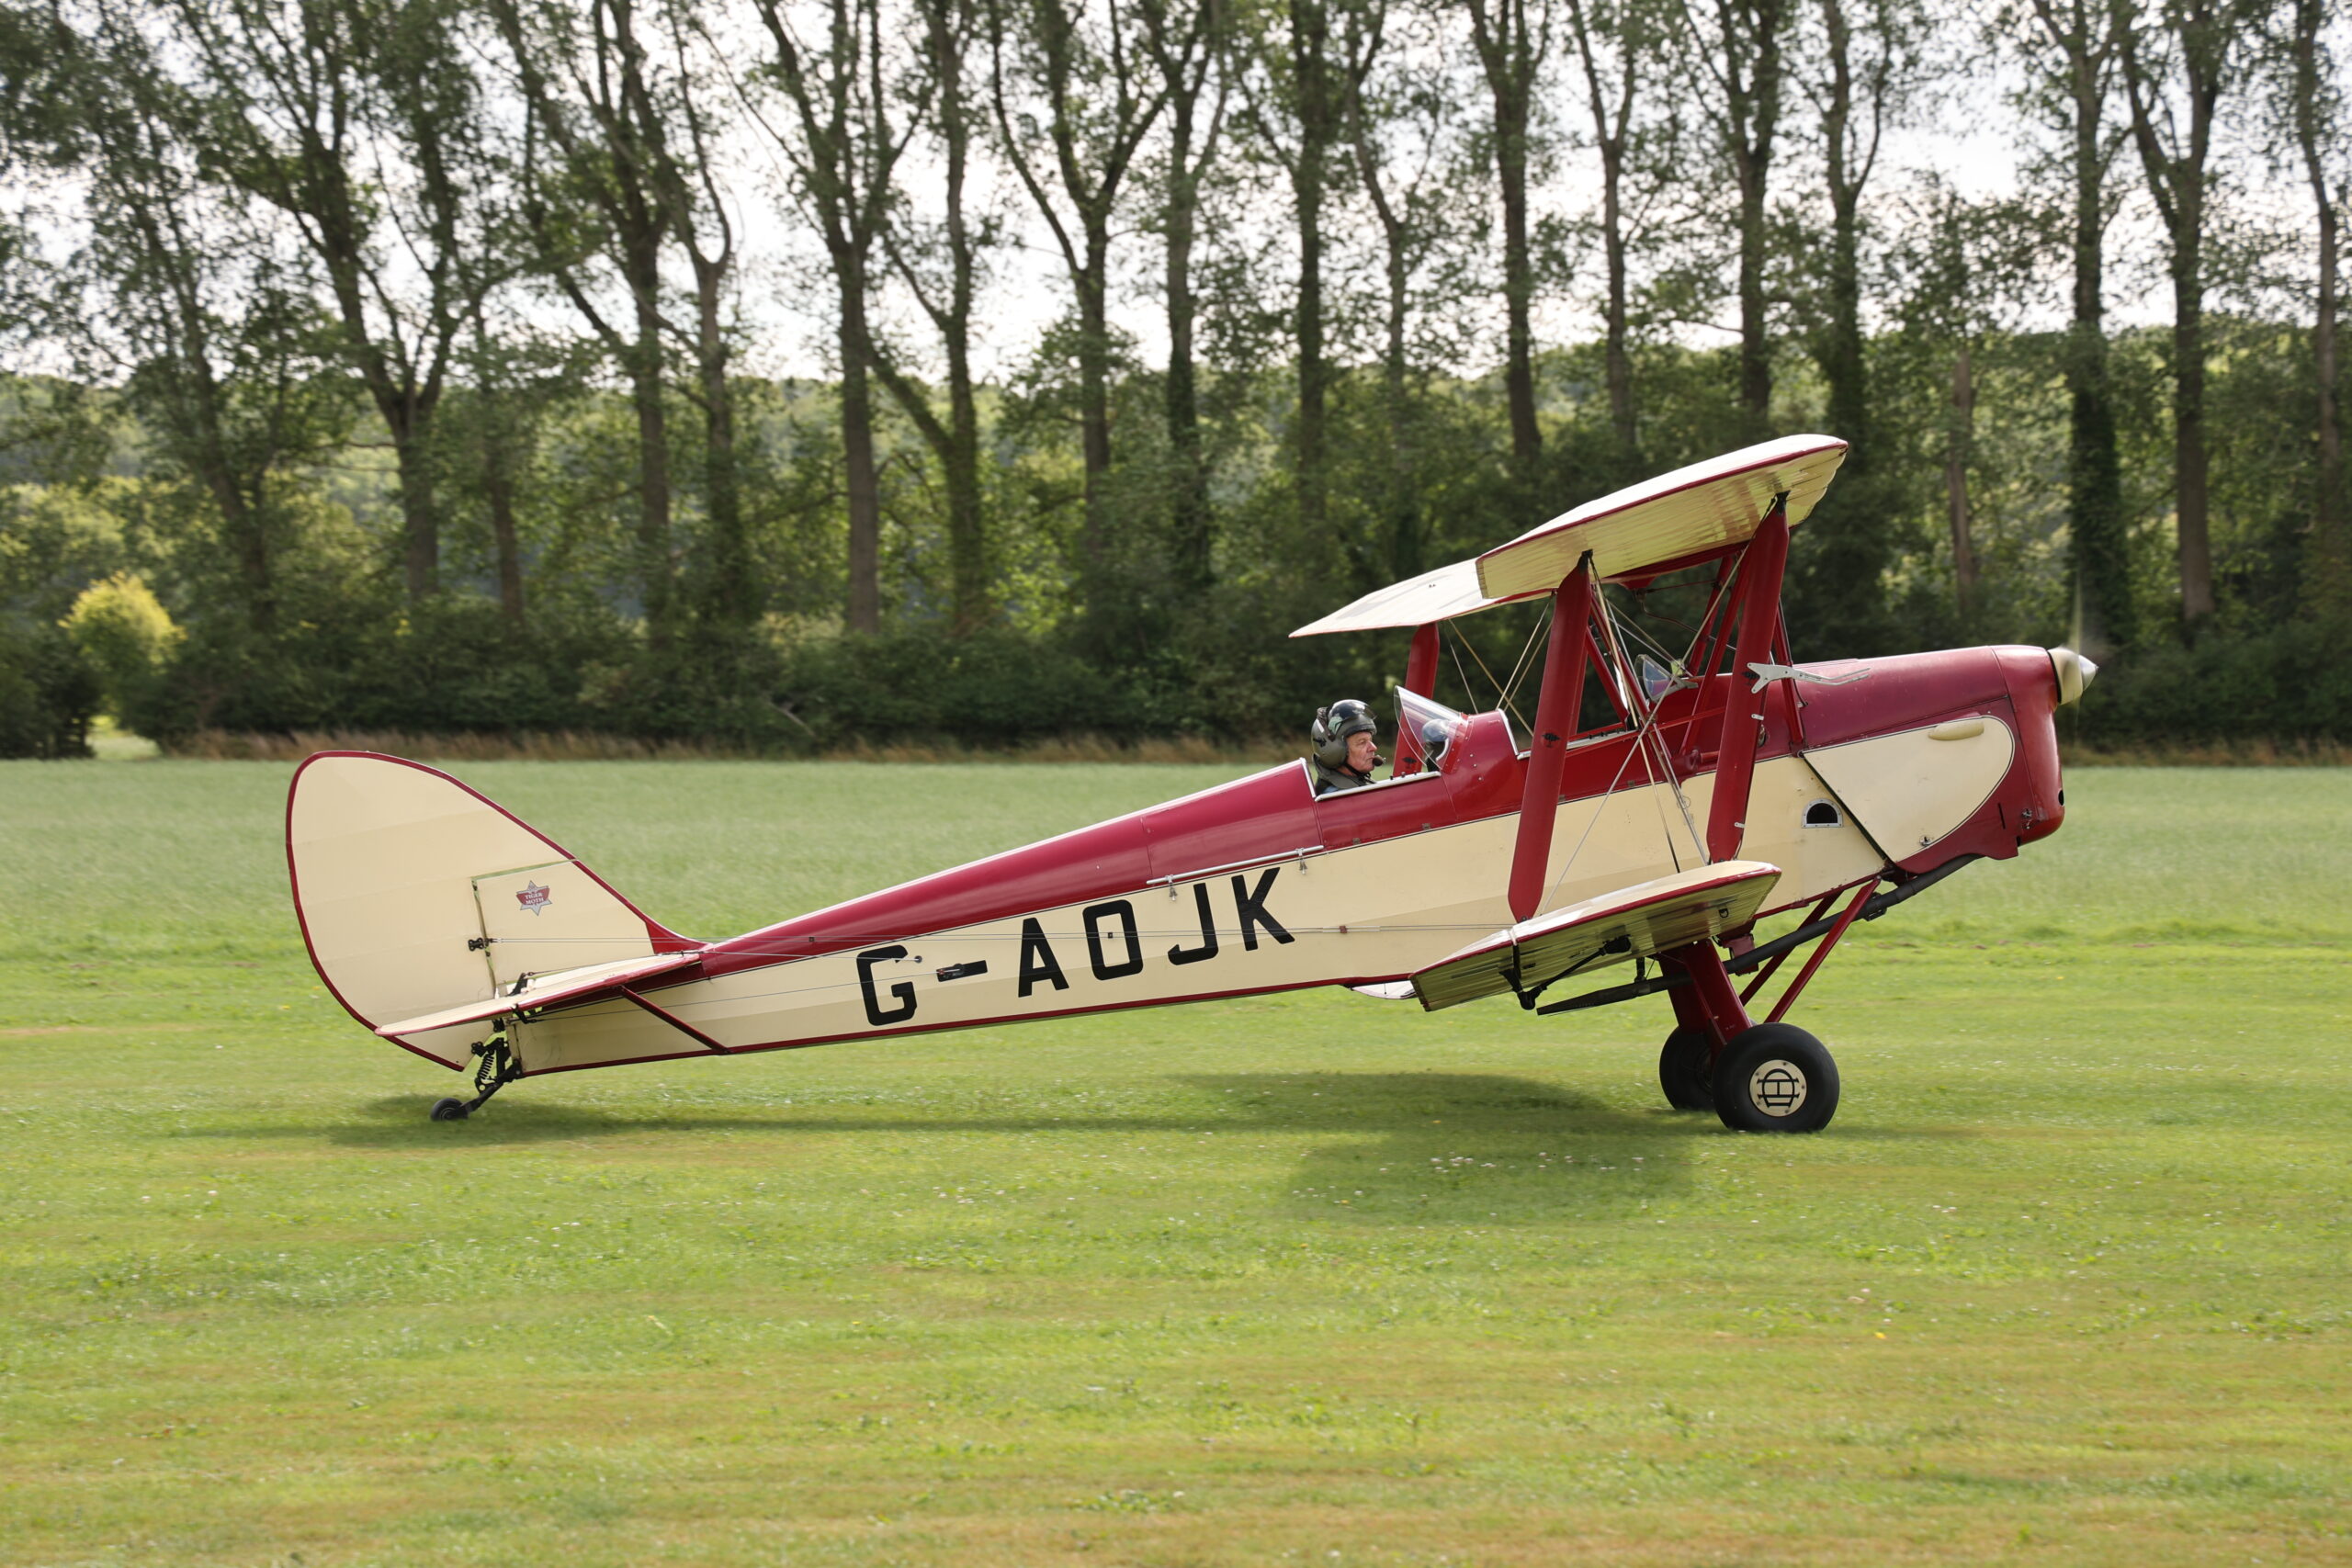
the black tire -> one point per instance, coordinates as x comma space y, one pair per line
1682, 1065
1775, 1078
448, 1110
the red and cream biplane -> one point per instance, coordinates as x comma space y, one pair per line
1719, 787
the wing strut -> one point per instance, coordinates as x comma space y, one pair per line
1555, 725
1761, 567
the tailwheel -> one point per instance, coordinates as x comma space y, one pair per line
1775, 1078
494, 1069
1683, 1070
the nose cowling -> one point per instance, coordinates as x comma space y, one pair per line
2073, 671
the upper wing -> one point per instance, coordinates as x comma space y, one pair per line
1675, 519
1679, 519
1702, 904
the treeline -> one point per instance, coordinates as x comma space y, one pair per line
407, 364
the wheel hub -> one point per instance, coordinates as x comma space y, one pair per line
1776, 1088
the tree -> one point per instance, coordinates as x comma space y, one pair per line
2314, 116
1397, 115
585, 84
1736, 44
1965, 267
2175, 72
1618, 44
364, 124
1512, 39
844, 148
2071, 60
1090, 108
200, 306
1870, 50
1188, 44
1299, 117
942, 268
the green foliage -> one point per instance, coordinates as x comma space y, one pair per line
125, 632
2287, 682
49, 692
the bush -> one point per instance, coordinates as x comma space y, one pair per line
49, 692
125, 633
994, 687
2292, 681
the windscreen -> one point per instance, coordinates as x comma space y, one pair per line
1425, 732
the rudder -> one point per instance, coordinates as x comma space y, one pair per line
417, 894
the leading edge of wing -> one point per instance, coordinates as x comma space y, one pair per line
1702, 904
1439, 595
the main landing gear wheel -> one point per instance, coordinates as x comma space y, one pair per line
1683, 1070
1775, 1078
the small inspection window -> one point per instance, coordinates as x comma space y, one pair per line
1823, 814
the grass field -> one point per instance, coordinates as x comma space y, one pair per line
1308, 1278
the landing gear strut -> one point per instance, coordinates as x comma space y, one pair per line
495, 1069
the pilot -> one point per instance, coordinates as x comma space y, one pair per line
1347, 748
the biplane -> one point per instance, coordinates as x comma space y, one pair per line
1655, 828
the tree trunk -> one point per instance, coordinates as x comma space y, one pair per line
2328, 567
1317, 130
1519, 272
1959, 448
242, 523
2098, 541
967, 545
2203, 40
735, 594
1611, 131
1510, 59
1750, 84
1617, 361
420, 518
1842, 363
1193, 538
1095, 405
2331, 567
865, 609
1404, 502
497, 488
654, 564
2189, 456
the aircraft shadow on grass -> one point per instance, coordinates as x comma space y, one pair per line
1406, 1146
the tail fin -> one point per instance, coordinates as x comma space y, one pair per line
416, 894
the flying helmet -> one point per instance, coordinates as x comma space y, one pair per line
1335, 724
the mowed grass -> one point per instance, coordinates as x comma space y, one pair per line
1305, 1279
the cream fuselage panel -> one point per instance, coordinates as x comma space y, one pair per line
1371, 911
1914, 789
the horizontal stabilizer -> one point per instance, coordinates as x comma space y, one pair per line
1702, 904
545, 991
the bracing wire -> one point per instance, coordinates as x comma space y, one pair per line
1502, 692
